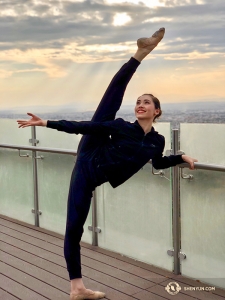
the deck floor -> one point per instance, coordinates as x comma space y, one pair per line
32, 266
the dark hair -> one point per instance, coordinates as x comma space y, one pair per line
157, 105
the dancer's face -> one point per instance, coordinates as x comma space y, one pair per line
145, 108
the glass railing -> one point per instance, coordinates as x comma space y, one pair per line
147, 218
203, 204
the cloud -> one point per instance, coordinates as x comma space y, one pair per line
190, 56
46, 33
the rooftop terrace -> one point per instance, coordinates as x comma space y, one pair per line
33, 267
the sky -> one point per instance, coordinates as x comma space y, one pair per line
56, 52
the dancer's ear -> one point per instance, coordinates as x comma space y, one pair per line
157, 112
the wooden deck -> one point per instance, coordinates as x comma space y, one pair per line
32, 267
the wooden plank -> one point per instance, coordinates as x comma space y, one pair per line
116, 272
52, 233
148, 267
146, 295
6, 296
109, 253
105, 279
121, 265
105, 258
32, 232
87, 250
155, 270
113, 269
35, 260
57, 259
32, 240
18, 290
36, 272
120, 284
111, 293
32, 283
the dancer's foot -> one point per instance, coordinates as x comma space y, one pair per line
146, 45
150, 43
86, 294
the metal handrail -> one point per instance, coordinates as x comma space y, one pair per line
209, 167
41, 149
198, 166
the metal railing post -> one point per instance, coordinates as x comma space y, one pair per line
35, 177
176, 205
94, 220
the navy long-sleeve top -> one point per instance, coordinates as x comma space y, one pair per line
126, 148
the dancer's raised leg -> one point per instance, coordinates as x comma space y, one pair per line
106, 110
113, 97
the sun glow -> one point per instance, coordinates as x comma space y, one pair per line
121, 19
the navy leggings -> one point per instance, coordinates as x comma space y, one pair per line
86, 176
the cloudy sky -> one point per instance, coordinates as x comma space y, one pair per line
54, 52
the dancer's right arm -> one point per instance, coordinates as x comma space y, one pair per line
34, 121
82, 127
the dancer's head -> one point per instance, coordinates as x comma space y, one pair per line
147, 107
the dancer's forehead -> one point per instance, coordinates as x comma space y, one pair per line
144, 97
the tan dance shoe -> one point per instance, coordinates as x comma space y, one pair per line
152, 42
94, 295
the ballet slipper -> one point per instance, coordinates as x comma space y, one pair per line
150, 43
82, 296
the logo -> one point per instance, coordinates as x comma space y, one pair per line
173, 288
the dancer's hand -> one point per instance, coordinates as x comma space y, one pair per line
190, 161
34, 121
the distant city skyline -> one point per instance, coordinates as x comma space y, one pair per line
58, 52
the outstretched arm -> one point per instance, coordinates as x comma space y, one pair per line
34, 121
82, 127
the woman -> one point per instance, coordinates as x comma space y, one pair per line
110, 150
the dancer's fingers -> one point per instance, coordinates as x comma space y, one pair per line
24, 125
32, 115
21, 121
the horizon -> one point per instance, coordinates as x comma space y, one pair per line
69, 107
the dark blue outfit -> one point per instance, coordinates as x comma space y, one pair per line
110, 150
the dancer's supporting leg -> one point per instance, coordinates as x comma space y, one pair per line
106, 110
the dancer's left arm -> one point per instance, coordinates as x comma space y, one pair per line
173, 160
164, 162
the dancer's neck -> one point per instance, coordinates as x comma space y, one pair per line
146, 125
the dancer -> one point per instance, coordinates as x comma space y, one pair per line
110, 150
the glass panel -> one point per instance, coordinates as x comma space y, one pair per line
135, 218
57, 139
11, 134
16, 173
16, 192
203, 205
206, 142
54, 172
